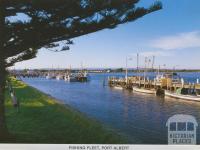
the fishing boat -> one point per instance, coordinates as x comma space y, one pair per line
144, 78
59, 77
66, 77
47, 77
82, 77
182, 96
168, 77
70, 78
50, 76
143, 90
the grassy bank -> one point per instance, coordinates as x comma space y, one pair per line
42, 119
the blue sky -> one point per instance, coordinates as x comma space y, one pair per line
171, 34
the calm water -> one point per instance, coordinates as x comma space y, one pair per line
140, 117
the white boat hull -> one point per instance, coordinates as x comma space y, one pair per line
118, 87
49, 77
141, 90
57, 78
180, 96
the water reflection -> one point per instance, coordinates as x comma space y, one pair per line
140, 117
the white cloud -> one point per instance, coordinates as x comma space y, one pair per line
179, 41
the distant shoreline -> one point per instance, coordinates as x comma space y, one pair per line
119, 70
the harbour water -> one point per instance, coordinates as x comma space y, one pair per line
139, 117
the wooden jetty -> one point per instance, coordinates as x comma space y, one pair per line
160, 86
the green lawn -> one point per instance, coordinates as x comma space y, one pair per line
42, 119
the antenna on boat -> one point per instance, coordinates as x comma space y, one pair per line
145, 69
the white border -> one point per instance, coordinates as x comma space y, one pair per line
93, 147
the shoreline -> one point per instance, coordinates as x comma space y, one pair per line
83, 128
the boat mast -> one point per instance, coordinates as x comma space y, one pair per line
153, 62
126, 70
137, 64
81, 67
145, 71
70, 68
159, 70
53, 72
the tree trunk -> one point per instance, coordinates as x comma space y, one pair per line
3, 128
